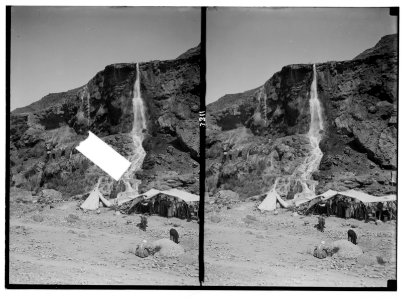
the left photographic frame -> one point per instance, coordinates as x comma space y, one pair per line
88, 85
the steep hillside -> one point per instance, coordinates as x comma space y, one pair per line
263, 129
44, 134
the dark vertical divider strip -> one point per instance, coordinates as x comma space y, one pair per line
202, 142
7, 136
392, 284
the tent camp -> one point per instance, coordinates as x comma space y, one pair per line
352, 204
93, 200
270, 202
169, 203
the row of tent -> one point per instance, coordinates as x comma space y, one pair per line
169, 203
273, 199
352, 204
358, 195
185, 201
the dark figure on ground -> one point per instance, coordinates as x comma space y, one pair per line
144, 223
328, 208
174, 235
380, 207
352, 236
321, 223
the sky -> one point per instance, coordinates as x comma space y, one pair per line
54, 49
245, 47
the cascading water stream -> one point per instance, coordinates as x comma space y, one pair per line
302, 174
138, 129
86, 105
262, 96
265, 109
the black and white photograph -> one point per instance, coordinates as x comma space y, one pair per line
104, 146
301, 147
202, 147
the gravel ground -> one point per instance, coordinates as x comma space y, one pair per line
247, 247
65, 245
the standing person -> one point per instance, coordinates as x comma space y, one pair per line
347, 210
321, 223
379, 211
224, 152
328, 208
144, 223
351, 209
333, 206
170, 210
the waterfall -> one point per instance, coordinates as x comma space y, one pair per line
316, 127
137, 133
265, 108
311, 163
86, 105
302, 174
139, 123
262, 96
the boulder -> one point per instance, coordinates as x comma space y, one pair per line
215, 219
38, 218
167, 248
345, 249
48, 196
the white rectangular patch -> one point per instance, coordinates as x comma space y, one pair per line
104, 156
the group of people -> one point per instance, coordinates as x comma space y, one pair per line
166, 206
346, 208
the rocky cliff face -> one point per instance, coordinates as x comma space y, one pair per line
44, 134
264, 128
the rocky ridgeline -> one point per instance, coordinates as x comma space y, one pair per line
264, 127
44, 134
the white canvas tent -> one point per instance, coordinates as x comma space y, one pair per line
151, 193
270, 202
387, 198
359, 195
366, 198
325, 196
328, 194
183, 195
187, 197
93, 200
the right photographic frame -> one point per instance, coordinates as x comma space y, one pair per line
301, 147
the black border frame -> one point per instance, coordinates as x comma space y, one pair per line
391, 284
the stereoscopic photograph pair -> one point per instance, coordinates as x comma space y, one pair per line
198, 148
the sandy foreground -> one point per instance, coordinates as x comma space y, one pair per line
247, 247
64, 245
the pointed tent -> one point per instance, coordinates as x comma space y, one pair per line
270, 202
93, 200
